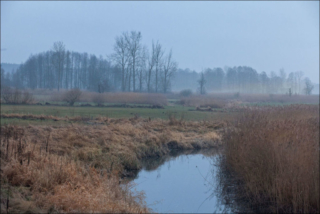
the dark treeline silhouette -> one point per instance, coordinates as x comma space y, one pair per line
133, 67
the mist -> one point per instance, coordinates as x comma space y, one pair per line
267, 36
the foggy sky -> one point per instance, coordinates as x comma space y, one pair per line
264, 35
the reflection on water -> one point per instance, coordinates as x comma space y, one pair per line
183, 183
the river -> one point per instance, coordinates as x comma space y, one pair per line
182, 183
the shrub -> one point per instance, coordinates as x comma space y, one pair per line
72, 96
203, 101
16, 96
186, 93
27, 98
98, 98
236, 95
6, 94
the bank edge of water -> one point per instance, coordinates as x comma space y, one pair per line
84, 145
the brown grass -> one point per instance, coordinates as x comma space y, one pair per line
203, 101
275, 153
266, 98
118, 97
79, 168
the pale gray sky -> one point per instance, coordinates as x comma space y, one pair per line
264, 35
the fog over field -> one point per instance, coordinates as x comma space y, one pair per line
265, 36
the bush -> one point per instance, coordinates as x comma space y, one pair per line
203, 101
16, 96
27, 98
72, 96
236, 95
98, 98
186, 93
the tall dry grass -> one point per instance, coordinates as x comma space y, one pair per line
266, 98
117, 97
274, 151
99, 98
42, 179
203, 101
78, 168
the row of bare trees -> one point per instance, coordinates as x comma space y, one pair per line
129, 68
140, 67
58, 68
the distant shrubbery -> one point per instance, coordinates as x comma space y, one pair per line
72, 96
109, 97
203, 101
16, 96
186, 93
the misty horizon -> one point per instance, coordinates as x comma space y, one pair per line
267, 36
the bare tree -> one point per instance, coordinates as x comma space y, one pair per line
121, 56
141, 67
308, 86
292, 81
169, 68
151, 64
299, 75
59, 52
202, 81
134, 48
72, 96
158, 54
283, 76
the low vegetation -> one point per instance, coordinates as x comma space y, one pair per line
186, 93
65, 156
16, 96
266, 98
203, 101
274, 153
78, 168
71, 96
100, 98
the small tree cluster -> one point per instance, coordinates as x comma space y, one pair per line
308, 86
16, 96
186, 93
72, 96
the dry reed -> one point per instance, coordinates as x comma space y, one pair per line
203, 101
79, 168
274, 151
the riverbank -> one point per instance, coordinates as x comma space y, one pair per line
78, 168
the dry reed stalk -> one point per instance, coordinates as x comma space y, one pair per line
275, 152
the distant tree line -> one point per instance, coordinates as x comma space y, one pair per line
134, 67
243, 79
129, 68
59, 68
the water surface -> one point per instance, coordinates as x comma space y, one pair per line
182, 184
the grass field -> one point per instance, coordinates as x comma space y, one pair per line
187, 113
